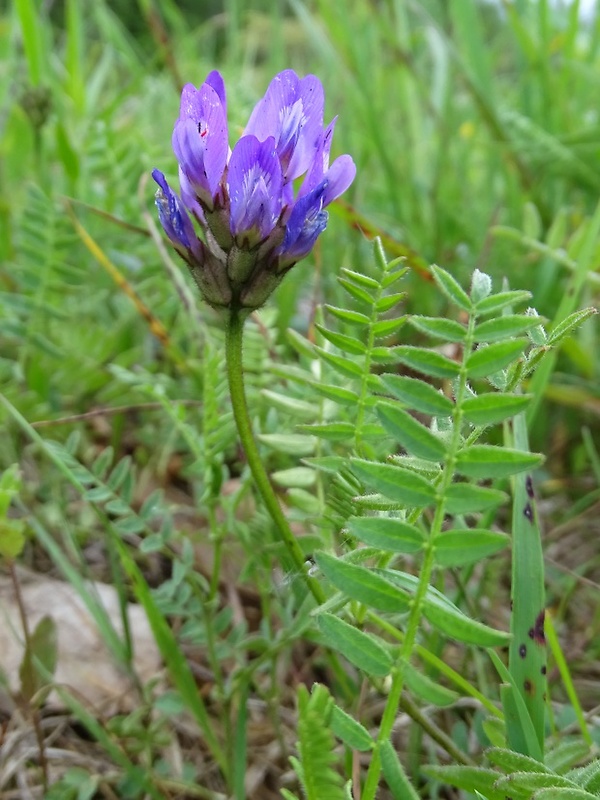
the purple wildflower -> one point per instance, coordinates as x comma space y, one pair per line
253, 228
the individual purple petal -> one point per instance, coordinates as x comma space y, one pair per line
173, 217
188, 197
292, 112
320, 163
254, 183
200, 139
307, 221
338, 178
215, 80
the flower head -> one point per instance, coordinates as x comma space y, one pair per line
253, 228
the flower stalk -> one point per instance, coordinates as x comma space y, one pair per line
235, 374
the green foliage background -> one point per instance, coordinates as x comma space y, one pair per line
476, 133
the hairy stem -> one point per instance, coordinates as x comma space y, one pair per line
235, 375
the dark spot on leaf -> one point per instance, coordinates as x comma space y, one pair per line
529, 487
538, 629
523, 650
531, 633
543, 670
528, 686
528, 512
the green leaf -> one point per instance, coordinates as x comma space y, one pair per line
446, 329
41, 649
12, 537
410, 433
349, 344
489, 409
388, 302
451, 288
481, 286
358, 293
300, 343
494, 357
418, 395
395, 482
98, 494
386, 327
464, 498
459, 547
298, 477
530, 782
564, 328
332, 465
496, 302
345, 397
490, 461
428, 362
430, 691
342, 365
129, 525
362, 584
363, 650
449, 619
505, 327
564, 794
395, 777
333, 431
360, 279
294, 444
511, 761
471, 779
289, 404
386, 533
351, 317
350, 731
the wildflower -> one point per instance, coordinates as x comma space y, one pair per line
253, 226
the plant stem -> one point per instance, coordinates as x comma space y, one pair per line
235, 374
408, 645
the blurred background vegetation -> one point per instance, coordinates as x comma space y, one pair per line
475, 128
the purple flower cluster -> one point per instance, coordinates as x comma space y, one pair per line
254, 225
